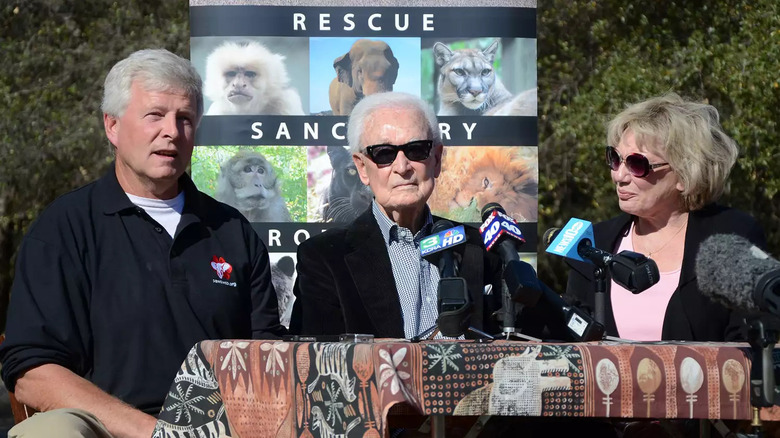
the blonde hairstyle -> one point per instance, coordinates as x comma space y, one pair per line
690, 137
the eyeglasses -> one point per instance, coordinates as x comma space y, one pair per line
637, 164
384, 154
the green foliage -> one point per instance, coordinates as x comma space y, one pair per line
595, 58
289, 162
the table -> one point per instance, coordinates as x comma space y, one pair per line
242, 388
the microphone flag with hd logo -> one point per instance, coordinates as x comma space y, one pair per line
442, 240
453, 300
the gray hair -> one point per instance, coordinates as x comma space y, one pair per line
691, 139
158, 70
363, 111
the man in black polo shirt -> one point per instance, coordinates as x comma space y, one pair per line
117, 280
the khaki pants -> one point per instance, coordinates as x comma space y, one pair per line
62, 423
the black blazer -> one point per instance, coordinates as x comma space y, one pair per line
345, 283
690, 315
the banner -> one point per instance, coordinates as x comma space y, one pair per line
280, 79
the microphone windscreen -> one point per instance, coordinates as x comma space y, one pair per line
727, 269
441, 225
488, 209
550, 235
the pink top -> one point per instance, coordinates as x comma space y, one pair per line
640, 317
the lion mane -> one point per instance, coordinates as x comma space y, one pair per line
485, 174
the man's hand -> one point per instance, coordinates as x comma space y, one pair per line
49, 386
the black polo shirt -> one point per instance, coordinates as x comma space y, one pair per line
103, 290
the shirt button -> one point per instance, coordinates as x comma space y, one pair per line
429, 299
158, 229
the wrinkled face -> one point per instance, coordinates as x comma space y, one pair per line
403, 185
153, 140
658, 193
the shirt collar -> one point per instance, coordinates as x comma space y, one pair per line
393, 233
112, 197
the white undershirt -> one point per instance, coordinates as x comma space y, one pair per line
167, 212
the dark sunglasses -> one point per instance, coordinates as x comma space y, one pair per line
637, 164
384, 154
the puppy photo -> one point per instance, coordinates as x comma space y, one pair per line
250, 77
360, 67
265, 183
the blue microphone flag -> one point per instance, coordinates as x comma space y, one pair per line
575, 231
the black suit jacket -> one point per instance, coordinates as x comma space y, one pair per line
690, 316
345, 283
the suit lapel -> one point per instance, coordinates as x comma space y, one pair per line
372, 273
685, 298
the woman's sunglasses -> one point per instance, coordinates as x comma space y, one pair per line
384, 154
637, 164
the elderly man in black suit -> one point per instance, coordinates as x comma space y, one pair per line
368, 276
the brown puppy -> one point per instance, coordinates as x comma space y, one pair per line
369, 67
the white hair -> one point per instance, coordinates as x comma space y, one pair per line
370, 104
158, 70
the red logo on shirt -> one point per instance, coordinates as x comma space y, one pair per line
221, 267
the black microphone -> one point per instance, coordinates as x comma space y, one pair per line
500, 233
453, 299
501, 229
631, 270
736, 273
580, 325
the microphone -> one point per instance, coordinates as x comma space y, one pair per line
454, 301
437, 248
580, 325
631, 270
499, 228
500, 233
736, 273
575, 241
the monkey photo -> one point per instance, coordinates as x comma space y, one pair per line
248, 182
247, 78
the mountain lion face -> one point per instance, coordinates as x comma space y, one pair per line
468, 77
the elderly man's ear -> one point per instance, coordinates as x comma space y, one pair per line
358, 158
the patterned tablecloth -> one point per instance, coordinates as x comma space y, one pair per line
247, 389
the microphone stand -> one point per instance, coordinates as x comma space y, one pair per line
600, 294
763, 332
508, 315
